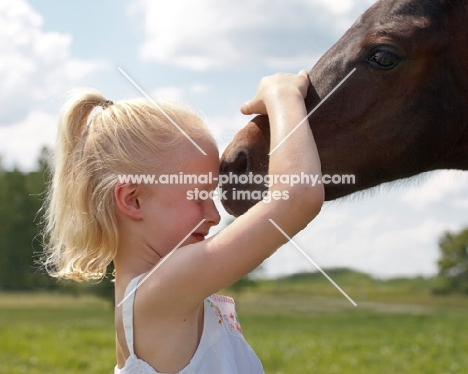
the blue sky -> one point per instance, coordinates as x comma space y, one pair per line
211, 55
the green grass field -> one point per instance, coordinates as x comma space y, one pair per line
295, 326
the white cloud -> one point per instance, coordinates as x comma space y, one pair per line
207, 34
20, 143
445, 185
35, 64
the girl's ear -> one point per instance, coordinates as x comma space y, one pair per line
127, 200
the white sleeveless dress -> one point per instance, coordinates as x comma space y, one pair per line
222, 348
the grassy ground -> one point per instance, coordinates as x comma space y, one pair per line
42, 333
295, 326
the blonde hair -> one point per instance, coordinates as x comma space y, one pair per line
128, 137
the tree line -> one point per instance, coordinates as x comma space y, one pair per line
21, 221
21, 198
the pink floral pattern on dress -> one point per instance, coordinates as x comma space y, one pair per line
230, 318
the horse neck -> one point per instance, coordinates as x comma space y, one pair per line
458, 23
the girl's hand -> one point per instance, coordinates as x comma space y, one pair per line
276, 87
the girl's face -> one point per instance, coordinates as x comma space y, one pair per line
173, 210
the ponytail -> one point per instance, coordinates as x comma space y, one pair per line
71, 226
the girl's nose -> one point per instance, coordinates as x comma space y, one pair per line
211, 213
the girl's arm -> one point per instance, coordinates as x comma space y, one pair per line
198, 270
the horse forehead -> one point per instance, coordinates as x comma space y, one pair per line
406, 13
402, 20
402, 26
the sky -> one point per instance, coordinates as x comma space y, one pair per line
211, 55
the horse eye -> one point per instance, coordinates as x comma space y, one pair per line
383, 59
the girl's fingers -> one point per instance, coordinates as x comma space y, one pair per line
304, 74
257, 104
253, 107
245, 108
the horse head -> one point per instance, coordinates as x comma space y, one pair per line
402, 112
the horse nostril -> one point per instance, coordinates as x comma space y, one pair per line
242, 163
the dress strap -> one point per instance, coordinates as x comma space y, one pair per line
127, 312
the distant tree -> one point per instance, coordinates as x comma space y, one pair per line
21, 196
244, 283
105, 287
17, 231
453, 263
44, 162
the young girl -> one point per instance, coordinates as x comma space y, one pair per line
171, 322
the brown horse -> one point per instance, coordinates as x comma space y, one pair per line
404, 111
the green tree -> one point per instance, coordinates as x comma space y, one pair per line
20, 200
453, 263
17, 231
